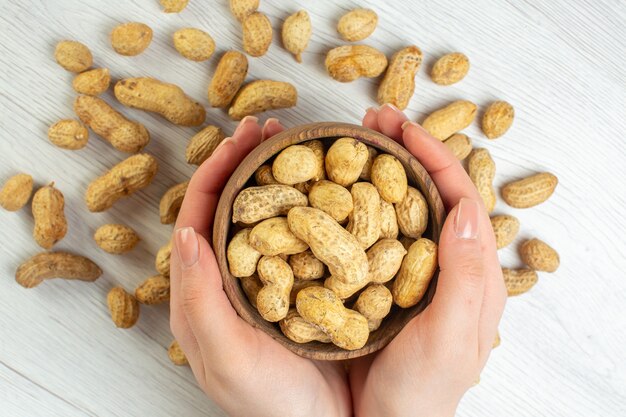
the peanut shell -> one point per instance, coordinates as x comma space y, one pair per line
418, 268
398, 85
92, 83
254, 204
116, 238
68, 134
194, 44
497, 119
345, 160
450, 119
49, 215
412, 213
262, 95
331, 198
131, 39
123, 307
229, 75
73, 56
450, 69
530, 191
154, 290
297, 33
16, 192
357, 24
519, 281
505, 228
539, 256
350, 62
257, 34
48, 265
171, 202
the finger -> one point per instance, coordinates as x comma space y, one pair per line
271, 127
204, 189
459, 296
370, 120
390, 121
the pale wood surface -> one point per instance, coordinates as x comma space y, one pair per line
561, 63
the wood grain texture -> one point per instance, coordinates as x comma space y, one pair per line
560, 63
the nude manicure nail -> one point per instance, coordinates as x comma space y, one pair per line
187, 246
466, 222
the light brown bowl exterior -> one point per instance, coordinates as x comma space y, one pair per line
417, 176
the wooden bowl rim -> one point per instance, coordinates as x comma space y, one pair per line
241, 176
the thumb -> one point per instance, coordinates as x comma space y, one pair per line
459, 294
202, 298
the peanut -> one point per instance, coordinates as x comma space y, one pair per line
175, 353
539, 255
272, 237
407, 242
48, 212
251, 286
482, 170
162, 260
306, 266
331, 198
322, 308
165, 99
16, 192
519, 281
418, 268
263, 175
242, 258
366, 173
398, 85
299, 285
450, 119
259, 203
318, 149
297, 33
412, 214
450, 69
364, 221
68, 134
497, 119
301, 331
48, 265
73, 56
131, 39
345, 161
124, 179
505, 228
123, 134
92, 83
374, 304
123, 307
116, 238
229, 75
277, 278
385, 259
171, 202
350, 62
357, 24
194, 44
243, 8
460, 145
389, 177
530, 191
330, 243
262, 95
154, 290
203, 144
296, 163
257, 34
174, 6
388, 221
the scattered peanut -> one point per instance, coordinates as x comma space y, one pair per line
450, 69
539, 256
331, 198
398, 85
418, 268
229, 75
262, 95
124, 179
259, 203
497, 119
242, 258
168, 100
450, 119
357, 24
345, 161
364, 221
176, 354
277, 278
123, 307
389, 177
116, 238
374, 304
519, 281
296, 33
16, 192
243, 8
257, 34
296, 163
131, 39
460, 145
123, 134
272, 237
73, 56
48, 265
174, 6
301, 331
505, 228
482, 170
306, 266
162, 260
412, 214
171, 202
203, 144
350, 62
154, 290
92, 83
68, 134
194, 44
48, 212
530, 191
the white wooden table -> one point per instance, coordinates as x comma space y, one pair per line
561, 63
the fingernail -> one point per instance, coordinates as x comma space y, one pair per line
187, 246
246, 120
466, 222
410, 123
270, 121
374, 109
391, 106
221, 144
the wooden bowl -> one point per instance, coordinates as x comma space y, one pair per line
242, 178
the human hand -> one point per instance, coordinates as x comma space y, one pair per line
439, 354
241, 368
